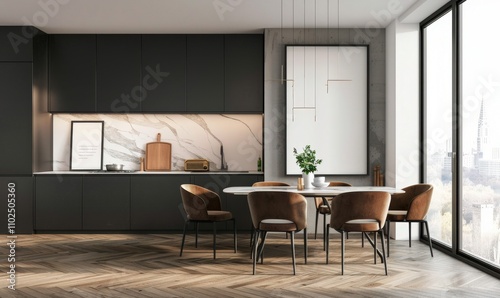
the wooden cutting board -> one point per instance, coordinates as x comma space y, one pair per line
158, 156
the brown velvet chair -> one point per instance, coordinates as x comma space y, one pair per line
265, 183
322, 207
410, 206
363, 211
204, 205
277, 211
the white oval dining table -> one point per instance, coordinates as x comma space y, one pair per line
311, 192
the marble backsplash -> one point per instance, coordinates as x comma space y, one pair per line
191, 135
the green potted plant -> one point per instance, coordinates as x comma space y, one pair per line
307, 162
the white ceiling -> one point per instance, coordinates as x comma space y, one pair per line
207, 16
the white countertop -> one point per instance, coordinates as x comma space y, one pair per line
148, 173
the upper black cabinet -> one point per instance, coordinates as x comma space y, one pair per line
157, 73
16, 118
16, 43
205, 73
164, 73
119, 88
244, 73
72, 67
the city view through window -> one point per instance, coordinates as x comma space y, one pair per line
478, 126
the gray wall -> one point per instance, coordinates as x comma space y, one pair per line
274, 95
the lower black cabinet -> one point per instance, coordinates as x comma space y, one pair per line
117, 202
58, 203
17, 205
106, 202
156, 202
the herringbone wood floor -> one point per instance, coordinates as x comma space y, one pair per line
140, 265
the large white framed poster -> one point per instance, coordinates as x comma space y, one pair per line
86, 145
327, 107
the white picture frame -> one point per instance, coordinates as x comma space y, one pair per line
327, 107
86, 153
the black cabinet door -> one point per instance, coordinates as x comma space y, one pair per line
17, 205
244, 73
72, 73
237, 204
58, 203
205, 73
164, 73
156, 202
106, 202
16, 43
119, 73
16, 118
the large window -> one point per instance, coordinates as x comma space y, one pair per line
438, 110
461, 128
480, 142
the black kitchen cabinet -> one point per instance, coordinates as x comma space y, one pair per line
244, 73
72, 73
16, 118
205, 73
119, 88
17, 205
16, 43
58, 204
164, 73
156, 202
106, 202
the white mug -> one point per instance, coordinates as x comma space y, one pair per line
319, 179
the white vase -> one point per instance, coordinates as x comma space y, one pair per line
308, 179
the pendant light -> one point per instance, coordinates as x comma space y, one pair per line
328, 80
304, 107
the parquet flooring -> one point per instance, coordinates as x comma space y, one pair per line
147, 265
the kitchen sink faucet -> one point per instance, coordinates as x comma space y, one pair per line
223, 164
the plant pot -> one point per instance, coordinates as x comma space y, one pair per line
308, 180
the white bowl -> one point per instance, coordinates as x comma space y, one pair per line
320, 184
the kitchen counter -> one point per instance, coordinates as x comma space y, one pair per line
148, 173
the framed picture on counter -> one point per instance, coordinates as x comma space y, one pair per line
86, 145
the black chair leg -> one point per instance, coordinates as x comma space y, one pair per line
184, 236
251, 235
374, 247
409, 234
255, 248
305, 245
429, 236
293, 250
260, 253
327, 241
342, 249
324, 227
215, 238
316, 229
388, 223
382, 240
235, 240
